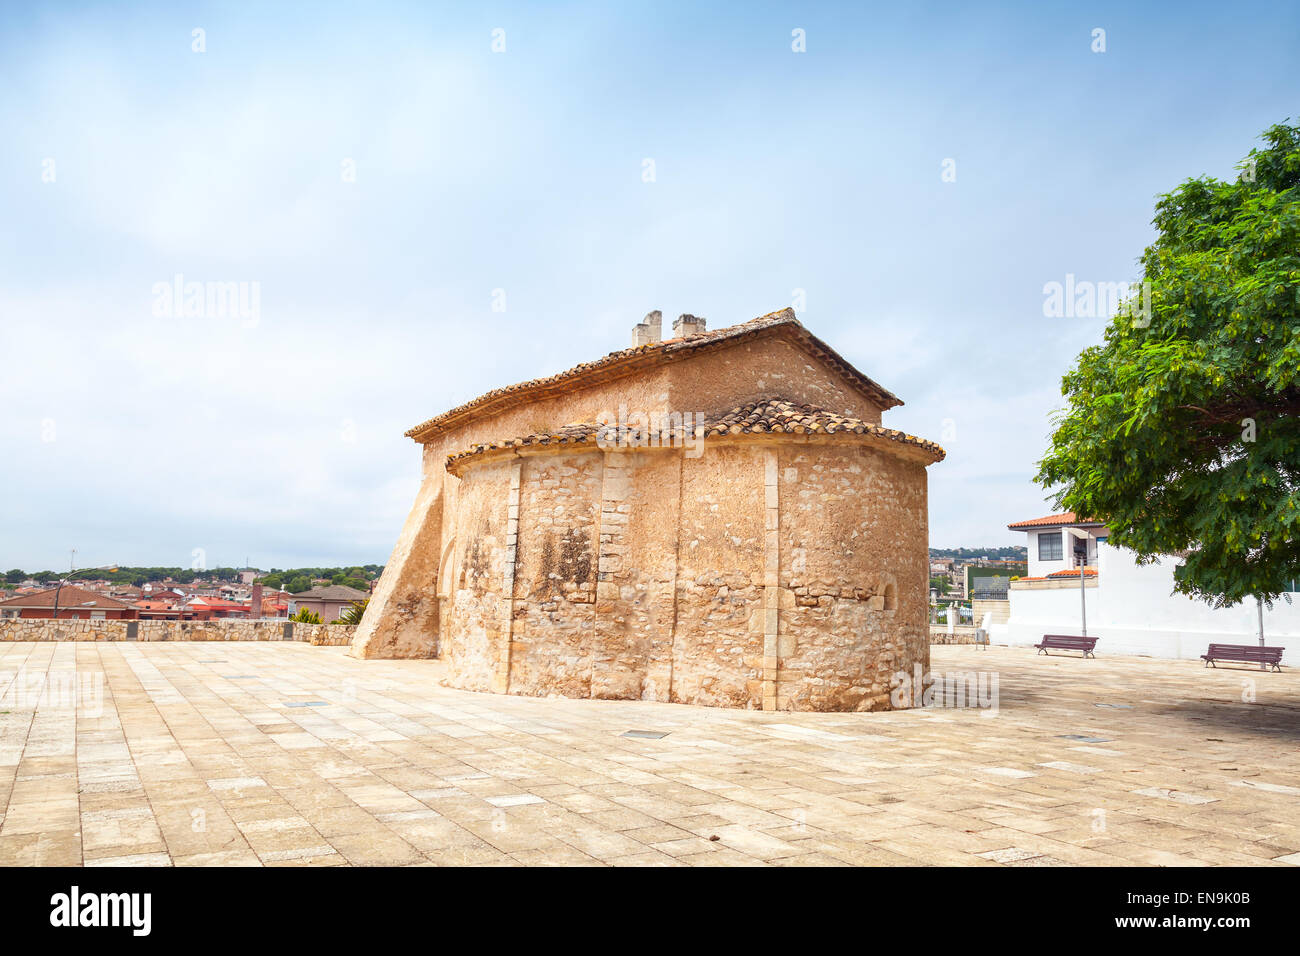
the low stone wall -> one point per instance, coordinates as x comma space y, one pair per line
961, 634
228, 630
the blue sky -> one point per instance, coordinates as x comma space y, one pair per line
139, 438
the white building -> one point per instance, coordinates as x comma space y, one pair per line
1131, 609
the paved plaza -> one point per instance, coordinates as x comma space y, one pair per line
287, 754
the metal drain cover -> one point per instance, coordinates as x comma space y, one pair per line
647, 734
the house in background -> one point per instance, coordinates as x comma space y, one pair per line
126, 592
1131, 608
209, 608
276, 604
329, 602
163, 611
162, 592
67, 603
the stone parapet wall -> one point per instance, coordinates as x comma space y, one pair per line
961, 634
230, 630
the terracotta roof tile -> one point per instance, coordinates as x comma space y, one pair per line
1057, 575
771, 416
69, 597
1074, 573
217, 602
333, 592
1048, 521
646, 356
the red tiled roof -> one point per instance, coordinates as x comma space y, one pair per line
333, 592
69, 597
628, 361
1089, 573
772, 416
217, 602
1050, 521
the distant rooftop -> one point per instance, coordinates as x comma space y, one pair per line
69, 597
1053, 521
335, 592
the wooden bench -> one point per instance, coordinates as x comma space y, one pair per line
1066, 642
1244, 654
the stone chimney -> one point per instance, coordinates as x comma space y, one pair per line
649, 330
256, 609
687, 325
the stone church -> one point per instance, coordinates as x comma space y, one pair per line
717, 518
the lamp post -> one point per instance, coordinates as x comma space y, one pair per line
1259, 606
59, 589
1081, 558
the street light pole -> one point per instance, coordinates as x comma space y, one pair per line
59, 590
1259, 606
1083, 598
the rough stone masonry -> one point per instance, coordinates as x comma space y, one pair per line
719, 518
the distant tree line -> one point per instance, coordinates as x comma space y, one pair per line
297, 580
294, 580
1009, 553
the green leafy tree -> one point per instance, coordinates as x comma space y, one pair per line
305, 616
1182, 430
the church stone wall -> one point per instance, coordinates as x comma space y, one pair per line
718, 654
555, 575
756, 370
780, 573
476, 622
854, 579
403, 619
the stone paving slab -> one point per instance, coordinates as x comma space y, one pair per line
161, 755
